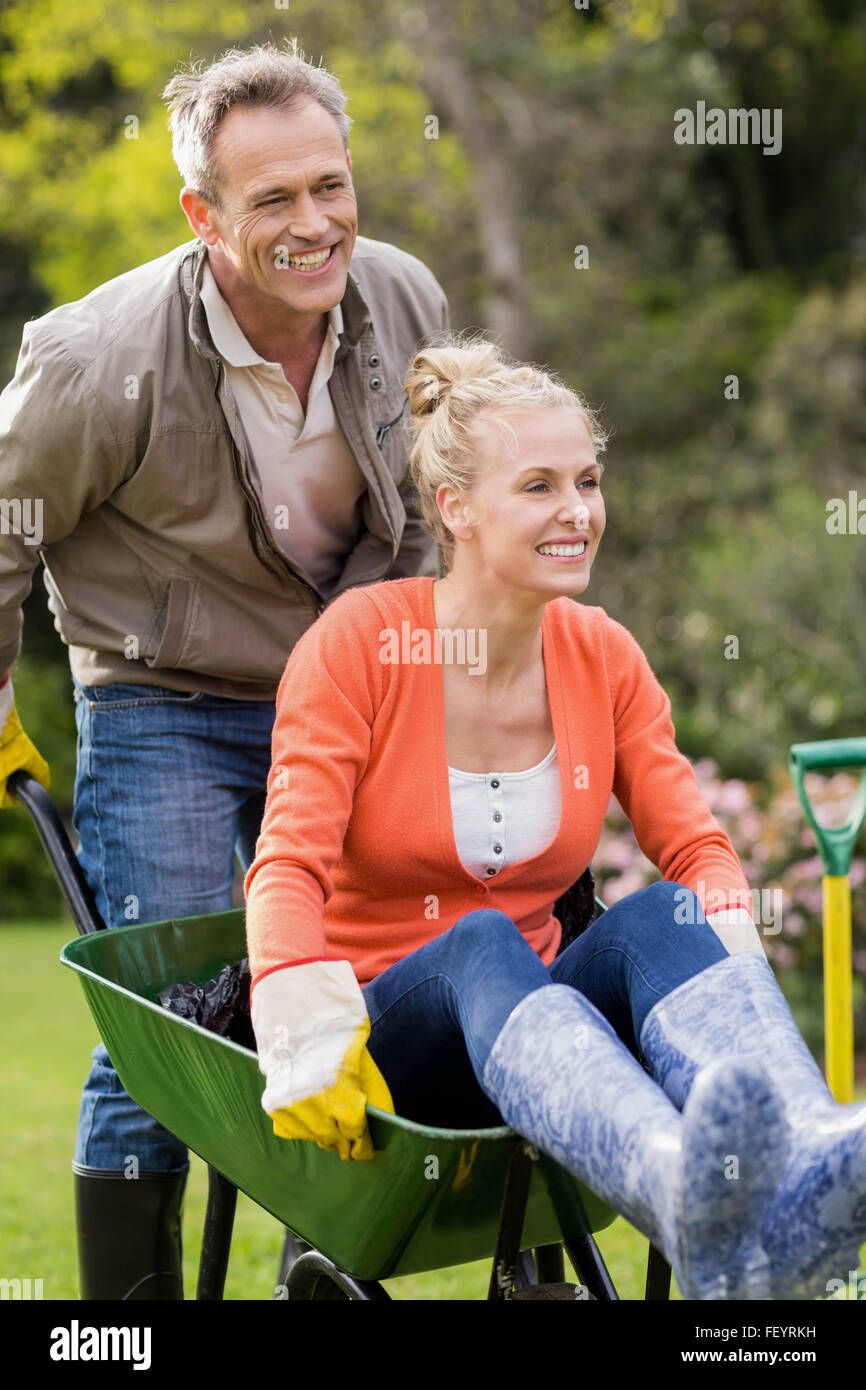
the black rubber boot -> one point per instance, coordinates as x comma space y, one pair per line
129, 1234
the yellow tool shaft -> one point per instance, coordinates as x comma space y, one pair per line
838, 1004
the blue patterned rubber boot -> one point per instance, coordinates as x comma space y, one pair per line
695, 1184
816, 1221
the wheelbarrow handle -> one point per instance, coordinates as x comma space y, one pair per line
73, 885
835, 843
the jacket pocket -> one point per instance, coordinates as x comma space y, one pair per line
179, 611
394, 441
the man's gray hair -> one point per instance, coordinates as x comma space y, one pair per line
199, 98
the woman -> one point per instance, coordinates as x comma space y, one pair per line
444, 753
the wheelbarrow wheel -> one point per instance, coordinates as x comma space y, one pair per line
313, 1278
326, 1291
574, 1293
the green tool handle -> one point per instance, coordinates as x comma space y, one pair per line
836, 843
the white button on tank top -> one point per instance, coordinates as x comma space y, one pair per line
501, 818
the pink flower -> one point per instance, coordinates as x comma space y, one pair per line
609, 890
618, 853
733, 798
705, 769
807, 869
783, 955
812, 899
750, 825
794, 923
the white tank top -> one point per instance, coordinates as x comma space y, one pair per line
501, 818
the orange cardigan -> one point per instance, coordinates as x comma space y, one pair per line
356, 859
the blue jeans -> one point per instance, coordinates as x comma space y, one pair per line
436, 1014
169, 787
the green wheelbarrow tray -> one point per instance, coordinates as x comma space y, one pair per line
429, 1198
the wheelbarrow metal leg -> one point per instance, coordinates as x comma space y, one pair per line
524, 1270
591, 1269
507, 1267
658, 1277
549, 1264
216, 1242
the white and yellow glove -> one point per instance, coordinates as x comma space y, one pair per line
311, 1026
16, 750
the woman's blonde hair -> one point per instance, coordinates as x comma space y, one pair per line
450, 383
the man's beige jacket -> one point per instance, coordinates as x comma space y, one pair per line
124, 465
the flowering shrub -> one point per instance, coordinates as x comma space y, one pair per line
777, 850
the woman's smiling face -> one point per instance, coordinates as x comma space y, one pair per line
535, 516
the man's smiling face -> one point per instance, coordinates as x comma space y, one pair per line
286, 190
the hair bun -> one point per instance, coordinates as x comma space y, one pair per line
426, 392
451, 363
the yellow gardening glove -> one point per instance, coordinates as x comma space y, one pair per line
336, 1117
16, 751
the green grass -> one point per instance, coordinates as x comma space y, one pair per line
47, 1037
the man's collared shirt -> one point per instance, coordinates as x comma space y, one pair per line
310, 483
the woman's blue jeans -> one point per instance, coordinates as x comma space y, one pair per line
436, 1014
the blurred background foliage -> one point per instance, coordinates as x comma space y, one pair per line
555, 130
777, 851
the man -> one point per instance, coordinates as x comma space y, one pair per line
216, 445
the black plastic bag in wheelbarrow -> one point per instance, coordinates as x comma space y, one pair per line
222, 1005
